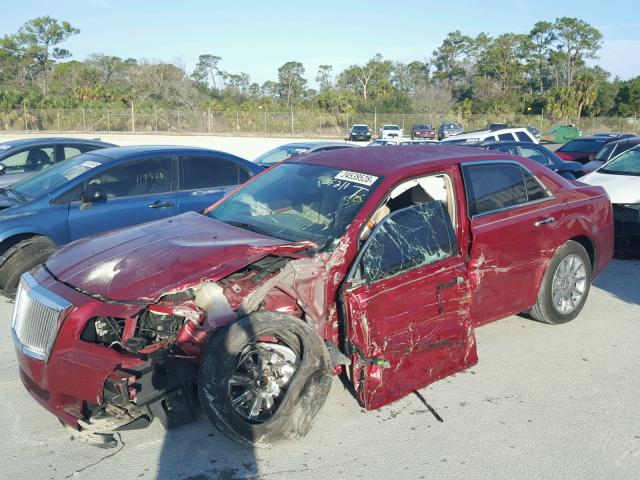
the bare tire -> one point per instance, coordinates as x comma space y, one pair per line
565, 285
264, 378
21, 258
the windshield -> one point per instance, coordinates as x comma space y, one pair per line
627, 163
586, 146
359, 128
279, 154
54, 177
391, 127
299, 202
422, 127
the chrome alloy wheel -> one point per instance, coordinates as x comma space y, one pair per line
260, 379
569, 283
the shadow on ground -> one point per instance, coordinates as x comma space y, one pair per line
621, 278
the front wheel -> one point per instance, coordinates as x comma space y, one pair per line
264, 378
21, 258
565, 285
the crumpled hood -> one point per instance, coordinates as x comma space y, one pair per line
150, 260
622, 189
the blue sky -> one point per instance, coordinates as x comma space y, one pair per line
257, 37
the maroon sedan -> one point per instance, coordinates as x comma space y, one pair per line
581, 148
376, 262
423, 131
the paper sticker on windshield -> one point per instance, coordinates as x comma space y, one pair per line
355, 177
91, 164
5, 147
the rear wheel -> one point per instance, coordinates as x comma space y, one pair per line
21, 258
264, 378
565, 285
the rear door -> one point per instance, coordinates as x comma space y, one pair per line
134, 192
513, 218
406, 306
204, 180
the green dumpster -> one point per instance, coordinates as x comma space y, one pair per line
564, 133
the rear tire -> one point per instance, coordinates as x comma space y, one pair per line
21, 258
565, 285
232, 389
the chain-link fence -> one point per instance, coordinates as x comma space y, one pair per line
266, 123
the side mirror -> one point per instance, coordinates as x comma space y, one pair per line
3, 167
93, 195
592, 157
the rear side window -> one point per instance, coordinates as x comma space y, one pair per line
209, 172
535, 155
497, 186
523, 137
505, 136
30, 160
73, 150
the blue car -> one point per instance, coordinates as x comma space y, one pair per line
103, 190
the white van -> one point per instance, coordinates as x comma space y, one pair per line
518, 134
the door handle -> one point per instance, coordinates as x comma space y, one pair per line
546, 221
442, 286
160, 204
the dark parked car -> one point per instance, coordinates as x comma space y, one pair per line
540, 154
616, 135
581, 148
22, 158
289, 150
449, 129
106, 189
422, 130
609, 151
360, 132
376, 262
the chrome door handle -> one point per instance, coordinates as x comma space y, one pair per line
546, 221
161, 204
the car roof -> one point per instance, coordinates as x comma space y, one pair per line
394, 162
117, 153
506, 143
599, 138
34, 141
314, 144
622, 141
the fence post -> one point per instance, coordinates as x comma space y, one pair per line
58, 119
237, 120
265, 122
179, 125
108, 121
347, 122
24, 116
155, 114
375, 120
209, 119
542, 120
403, 122
133, 119
291, 122
84, 122
619, 124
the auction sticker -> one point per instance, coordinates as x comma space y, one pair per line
355, 177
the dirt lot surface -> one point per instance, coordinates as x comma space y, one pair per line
544, 402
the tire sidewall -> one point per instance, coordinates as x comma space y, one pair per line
293, 417
569, 248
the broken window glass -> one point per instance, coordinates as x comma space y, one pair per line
409, 238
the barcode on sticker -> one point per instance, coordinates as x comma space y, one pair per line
361, 178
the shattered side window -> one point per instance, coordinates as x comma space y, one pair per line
409, 238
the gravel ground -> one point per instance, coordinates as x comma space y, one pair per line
548, 402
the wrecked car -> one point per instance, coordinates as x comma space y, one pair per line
377, 264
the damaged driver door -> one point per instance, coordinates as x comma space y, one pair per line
406, 302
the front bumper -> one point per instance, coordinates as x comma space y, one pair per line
71, 382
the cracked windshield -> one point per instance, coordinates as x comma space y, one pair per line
298, 202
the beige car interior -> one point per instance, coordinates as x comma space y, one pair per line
437, 187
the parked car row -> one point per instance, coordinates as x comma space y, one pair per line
248, 307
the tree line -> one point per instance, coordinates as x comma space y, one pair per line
548, 69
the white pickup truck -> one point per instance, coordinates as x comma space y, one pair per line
390, 131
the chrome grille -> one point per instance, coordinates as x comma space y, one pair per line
36, 318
